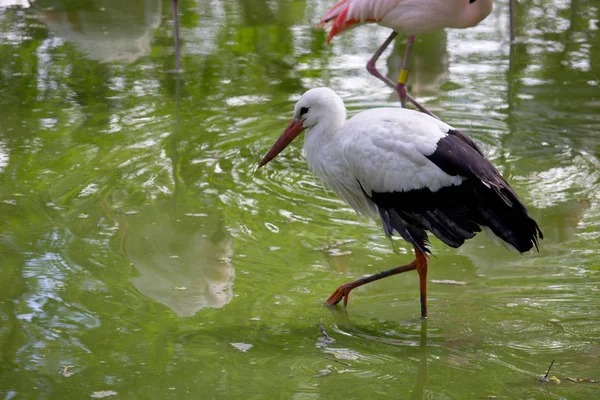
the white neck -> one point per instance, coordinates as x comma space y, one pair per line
319, 137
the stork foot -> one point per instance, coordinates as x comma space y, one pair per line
343, 292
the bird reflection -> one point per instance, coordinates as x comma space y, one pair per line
104, 30
421, 380
183, 263
343, 323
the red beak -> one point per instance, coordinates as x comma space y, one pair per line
293, 129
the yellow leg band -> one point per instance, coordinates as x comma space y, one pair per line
403, 76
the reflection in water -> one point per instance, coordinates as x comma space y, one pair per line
3, 156
67, 296
183, 264
421, 380
551, 84
19, 3
104, 30
409, 339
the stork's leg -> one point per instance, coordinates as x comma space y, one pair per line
400, 88
343, 292
421, 264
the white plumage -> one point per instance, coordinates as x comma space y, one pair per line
392, 157
382, 149
411, 170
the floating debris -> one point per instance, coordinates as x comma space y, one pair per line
448, 282
555, 380
244, 347
179, 288
103, 393
345, 354
65, 371
582, 380
544, 378
325, 340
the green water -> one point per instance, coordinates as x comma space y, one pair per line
140, 247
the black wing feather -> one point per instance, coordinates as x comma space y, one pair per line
456, 213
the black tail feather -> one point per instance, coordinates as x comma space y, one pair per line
510, 223
413, 235
456, 213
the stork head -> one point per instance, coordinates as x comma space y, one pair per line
318, 106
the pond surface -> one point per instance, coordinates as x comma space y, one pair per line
142, 255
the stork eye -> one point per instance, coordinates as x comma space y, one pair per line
472, 1
303, 111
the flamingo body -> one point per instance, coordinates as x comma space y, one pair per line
408, 16
412, 171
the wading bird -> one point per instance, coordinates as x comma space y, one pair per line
410, 170
409, 16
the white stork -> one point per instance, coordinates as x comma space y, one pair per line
410, 170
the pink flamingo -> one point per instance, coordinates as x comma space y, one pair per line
410, 16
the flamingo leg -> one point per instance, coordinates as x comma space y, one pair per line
421, 264
371, 65
400, 88
404, 71
511, 16
176, 34
343, 292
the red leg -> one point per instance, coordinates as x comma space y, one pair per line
371, 65
176, 34
404, 71
403, 77
401, 86
343, 292
421, 262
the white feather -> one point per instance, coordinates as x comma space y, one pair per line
386, 150
382, 150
